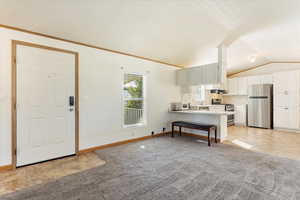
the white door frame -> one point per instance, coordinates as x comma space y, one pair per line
14, 94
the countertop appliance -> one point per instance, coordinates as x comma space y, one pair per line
217, 91
177, 106
216, 101
216, 96
260, 106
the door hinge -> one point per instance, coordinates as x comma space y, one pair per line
15, 152
15, 60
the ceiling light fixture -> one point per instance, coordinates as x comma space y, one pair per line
252, 58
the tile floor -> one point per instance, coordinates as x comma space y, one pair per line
274, 142
28, 176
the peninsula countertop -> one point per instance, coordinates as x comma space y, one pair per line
216, 117
206, 112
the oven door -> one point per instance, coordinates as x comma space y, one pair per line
230, 120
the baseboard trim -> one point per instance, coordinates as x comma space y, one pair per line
83, 151
6, 168
286, 130
240, 125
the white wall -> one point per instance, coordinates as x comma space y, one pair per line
100, 93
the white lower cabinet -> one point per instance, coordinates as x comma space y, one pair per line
294, 118
286, 117
286, 99
280, 99
281, 117
240, 114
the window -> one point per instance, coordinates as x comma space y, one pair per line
133, 99
200, 94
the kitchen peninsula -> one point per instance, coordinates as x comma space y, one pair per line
218, 118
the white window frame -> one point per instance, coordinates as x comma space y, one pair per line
200, 92
144, 123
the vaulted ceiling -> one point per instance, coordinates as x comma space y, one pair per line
175, 31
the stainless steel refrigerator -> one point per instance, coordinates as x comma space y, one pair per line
260, 106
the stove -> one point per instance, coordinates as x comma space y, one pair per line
230, 118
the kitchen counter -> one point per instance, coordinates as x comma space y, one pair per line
218, 118
204, 112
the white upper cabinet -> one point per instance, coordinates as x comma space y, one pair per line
242, 85
237, 86
195, 75
261, 79
202, 75
182, 77
232, 86
281, 87
266, 79
286, 89
252, 80
211, 74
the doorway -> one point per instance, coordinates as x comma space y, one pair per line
45, 103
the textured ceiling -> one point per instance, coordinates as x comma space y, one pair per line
174, 31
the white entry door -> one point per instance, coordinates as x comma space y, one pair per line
45, 119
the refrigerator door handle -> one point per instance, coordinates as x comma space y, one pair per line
258, 97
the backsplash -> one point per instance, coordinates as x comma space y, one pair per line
192, 95
236, 100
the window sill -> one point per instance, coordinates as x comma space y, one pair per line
134, 125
